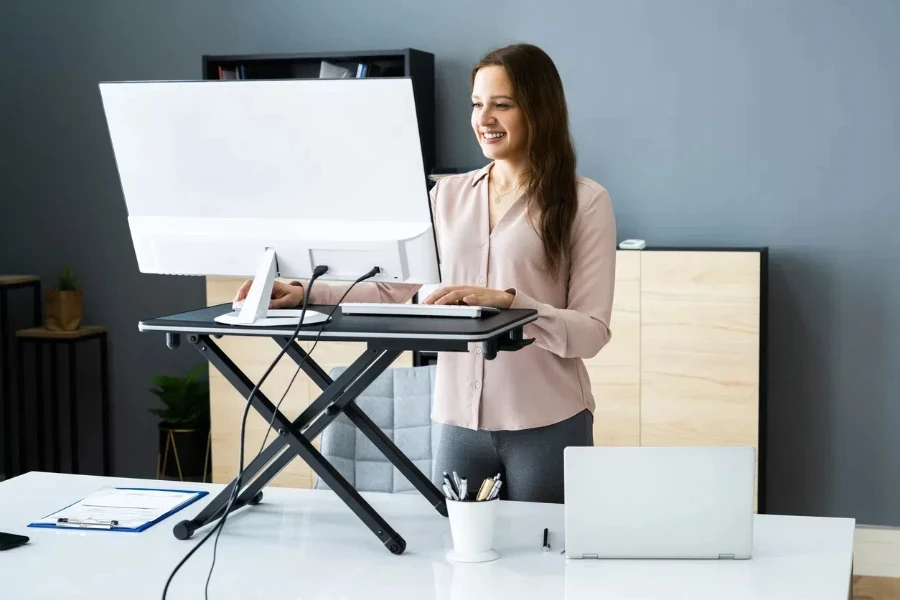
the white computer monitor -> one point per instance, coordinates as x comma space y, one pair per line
271, 178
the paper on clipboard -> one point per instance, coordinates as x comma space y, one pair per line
120, 508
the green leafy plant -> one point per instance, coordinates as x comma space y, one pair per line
67, 281
185, 399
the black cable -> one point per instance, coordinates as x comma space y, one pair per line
271, 426
318, 272
316, 275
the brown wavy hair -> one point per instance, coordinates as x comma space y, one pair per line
538, 91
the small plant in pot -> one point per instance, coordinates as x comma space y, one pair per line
184, 440
63, 305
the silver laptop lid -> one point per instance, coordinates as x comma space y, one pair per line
659, 502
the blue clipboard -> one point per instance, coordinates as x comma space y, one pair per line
112, 526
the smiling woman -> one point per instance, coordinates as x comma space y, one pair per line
498, 121
521, 118
525, 231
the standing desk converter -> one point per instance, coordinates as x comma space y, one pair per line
386, 337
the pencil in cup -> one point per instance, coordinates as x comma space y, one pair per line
490, 489
472, 520
457, 489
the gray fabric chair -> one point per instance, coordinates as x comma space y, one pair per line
399, 402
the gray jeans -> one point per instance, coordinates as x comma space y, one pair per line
530, 460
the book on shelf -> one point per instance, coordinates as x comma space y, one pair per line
238, 72
330, 70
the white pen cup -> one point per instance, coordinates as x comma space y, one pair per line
472, 526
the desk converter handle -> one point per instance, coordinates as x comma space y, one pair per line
173, 340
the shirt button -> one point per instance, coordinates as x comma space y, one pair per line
478, 384
481, 280
484, 247
478, 350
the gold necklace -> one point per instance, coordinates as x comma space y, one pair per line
497, 198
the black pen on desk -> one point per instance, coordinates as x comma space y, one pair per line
546, 547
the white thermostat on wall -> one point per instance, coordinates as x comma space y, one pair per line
632, 245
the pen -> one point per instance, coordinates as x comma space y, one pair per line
458, 483
495, 491
463, 489
546, 547
448, 491
485, 489
449, 482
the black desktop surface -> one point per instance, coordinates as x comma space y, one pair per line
351, 328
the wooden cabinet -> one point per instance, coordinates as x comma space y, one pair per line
683, 366
700, 351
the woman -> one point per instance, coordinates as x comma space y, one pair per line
523, 232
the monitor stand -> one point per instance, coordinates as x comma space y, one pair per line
255, 311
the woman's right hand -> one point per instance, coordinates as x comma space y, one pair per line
284, 295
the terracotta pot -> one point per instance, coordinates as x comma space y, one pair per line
63, 310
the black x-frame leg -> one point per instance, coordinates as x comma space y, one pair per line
294, 438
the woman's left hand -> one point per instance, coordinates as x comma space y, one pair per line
471, 295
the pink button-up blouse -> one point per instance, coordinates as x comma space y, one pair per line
547, 381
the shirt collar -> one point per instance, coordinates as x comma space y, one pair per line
482, 173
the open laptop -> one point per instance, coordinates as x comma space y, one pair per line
659, 502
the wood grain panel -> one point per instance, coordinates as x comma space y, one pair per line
875, 588
42, 333
253, 356
17, 279
227, 410
615, 372
700, 348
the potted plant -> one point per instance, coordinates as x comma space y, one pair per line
184, 436
63, 305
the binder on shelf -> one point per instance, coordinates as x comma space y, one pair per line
122, 509
330, 70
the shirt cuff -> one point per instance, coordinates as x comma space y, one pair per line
521, 300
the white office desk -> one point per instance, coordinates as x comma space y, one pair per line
306, 544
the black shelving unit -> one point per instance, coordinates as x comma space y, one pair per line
407, 62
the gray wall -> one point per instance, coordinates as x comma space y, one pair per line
712, 123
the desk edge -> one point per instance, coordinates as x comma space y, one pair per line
351, 336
